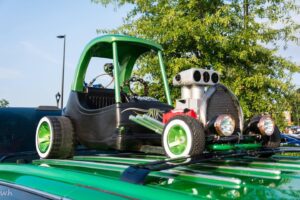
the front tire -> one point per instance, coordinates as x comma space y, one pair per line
274, 140
271, 142
183, 136
55, 137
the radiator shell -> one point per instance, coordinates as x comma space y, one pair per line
217, 100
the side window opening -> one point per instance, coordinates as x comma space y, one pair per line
98, 84
96, 75
147, 68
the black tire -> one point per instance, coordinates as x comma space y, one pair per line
61, 137
195, 136
271, 142
274, 140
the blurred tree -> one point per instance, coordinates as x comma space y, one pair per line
238, 38
296, 108
3, 103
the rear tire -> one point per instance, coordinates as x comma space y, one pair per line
183, 136
55, 137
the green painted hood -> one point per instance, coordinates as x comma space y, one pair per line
95, 177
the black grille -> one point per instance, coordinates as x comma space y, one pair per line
222, 102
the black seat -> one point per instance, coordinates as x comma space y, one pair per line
96, 98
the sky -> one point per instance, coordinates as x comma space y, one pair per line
31, 55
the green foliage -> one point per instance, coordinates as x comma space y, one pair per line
227, 36
296, 107
3, 103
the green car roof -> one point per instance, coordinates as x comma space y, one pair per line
129, 49
98, 177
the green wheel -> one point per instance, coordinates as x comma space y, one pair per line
55, 137
183, 136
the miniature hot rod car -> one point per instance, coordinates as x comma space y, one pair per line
207, 117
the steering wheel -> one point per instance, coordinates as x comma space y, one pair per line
94, 79
139, 80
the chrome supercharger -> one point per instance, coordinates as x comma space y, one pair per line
194, 83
